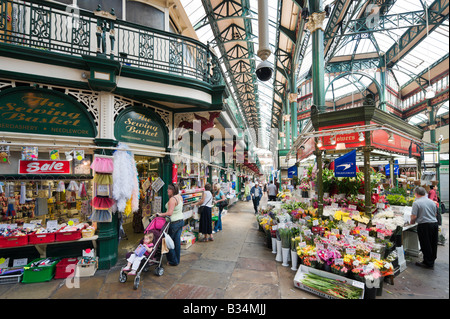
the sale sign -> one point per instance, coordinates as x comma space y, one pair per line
44, 167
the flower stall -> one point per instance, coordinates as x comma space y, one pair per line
343, 242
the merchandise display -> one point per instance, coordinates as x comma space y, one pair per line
343, 240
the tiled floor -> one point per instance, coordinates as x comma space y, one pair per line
236, 265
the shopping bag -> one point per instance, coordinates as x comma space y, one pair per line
195, 213
169, 241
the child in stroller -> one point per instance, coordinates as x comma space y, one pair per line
143, 250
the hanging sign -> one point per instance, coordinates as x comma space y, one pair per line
345, 166
140, 126
292, 171
44, 167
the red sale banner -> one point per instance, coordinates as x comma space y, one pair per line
44, 167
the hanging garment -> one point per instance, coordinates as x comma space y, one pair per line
41, 207
104, 179
101, 216
102, 164
23, 192
99, 202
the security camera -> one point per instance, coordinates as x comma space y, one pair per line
264, 71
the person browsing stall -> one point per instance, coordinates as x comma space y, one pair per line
424, 213
205, 208
174, 210
220, 201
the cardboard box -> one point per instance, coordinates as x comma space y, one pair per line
303, 270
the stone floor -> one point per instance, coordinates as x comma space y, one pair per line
236, 265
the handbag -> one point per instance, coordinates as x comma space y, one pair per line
169, 241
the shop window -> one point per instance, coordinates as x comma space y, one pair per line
91, 5
144, 14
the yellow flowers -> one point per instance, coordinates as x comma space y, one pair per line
360, 219
340, 215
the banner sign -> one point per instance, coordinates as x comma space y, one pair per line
292, 171
345, 166
42, 111
44, 167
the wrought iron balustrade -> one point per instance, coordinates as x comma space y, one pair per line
64, 29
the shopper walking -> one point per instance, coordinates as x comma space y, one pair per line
174, 210
205, 207
432, 194
424, 212
256, 194
220, 201
272, 191
247, 191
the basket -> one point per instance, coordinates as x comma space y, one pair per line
68, 235
35, 239
86, 270
38, 274
10, 279
13, 241
65, 268
88, 232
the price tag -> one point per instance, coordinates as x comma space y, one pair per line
29, 225
375, 255
370, 239
315, 222
302, 244
350, 251
345, 232
335, 231
365, 233
339, 261
361, 196
350, 237
352, 207
320, 246
274, 227
381, 205
52, 224
332, 238
380, 236
335, 205
358, 284
302, 221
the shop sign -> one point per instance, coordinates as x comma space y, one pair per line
44, 167
42, 111
351, 140
140, 127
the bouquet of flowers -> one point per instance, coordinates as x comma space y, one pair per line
304, 185
340, 270
328, 256
285, 235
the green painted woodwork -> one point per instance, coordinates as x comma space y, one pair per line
141, 126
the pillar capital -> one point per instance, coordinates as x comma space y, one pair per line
316, 21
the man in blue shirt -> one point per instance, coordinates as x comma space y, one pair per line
424, 212
256, 193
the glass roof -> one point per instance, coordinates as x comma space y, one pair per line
419, 59
432, 48
263, 90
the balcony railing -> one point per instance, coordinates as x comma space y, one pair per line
76, 32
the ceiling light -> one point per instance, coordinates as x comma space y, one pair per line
319, 142
391, 137
361, 137
431, 93
333, 140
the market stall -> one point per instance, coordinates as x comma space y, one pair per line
354, 225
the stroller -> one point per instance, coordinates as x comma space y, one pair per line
158, 226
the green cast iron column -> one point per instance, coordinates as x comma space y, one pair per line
294, 121
383, 75
318, 154
315, 26
108, 233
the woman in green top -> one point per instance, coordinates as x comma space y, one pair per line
174, 209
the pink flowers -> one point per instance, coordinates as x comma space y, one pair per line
328, 256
